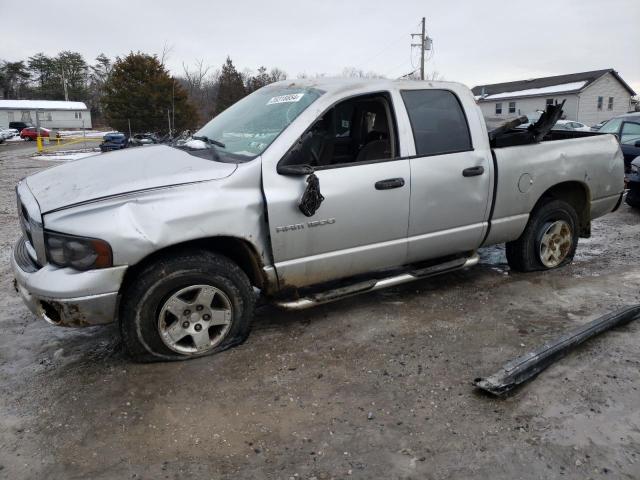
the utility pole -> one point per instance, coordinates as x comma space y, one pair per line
64, 85
173, 105
425, 44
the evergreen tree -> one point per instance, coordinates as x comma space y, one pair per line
71, 68
230, 87
50, 74
43, 74
14, 78
258, 81
139, 89
98, 77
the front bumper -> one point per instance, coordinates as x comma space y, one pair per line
63, 296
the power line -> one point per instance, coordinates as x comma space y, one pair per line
383, 50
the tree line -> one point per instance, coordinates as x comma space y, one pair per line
136, 90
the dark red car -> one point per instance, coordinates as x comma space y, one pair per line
31, 133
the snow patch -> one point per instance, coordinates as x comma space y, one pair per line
565, 87
65, 157
42, 104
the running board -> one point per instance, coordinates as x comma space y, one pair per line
373, 285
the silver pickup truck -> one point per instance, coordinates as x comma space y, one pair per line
303, 192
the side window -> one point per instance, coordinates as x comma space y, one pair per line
610, 104
512, 107
359, 129
600, 100
438, 122
630, 133
549, 102
498, 108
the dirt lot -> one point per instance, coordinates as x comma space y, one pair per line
377, 386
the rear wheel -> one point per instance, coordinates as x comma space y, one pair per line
549, 239
186, 306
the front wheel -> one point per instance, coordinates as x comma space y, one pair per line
189, 305
549, 239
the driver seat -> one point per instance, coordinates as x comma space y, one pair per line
377, 146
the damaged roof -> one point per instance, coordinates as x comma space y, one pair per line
569, 83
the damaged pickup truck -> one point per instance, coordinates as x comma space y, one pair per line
301, 193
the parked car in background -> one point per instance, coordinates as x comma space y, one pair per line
144, 138
598, 126
31, 133
571, 125
627, 128
114, 141
6, 134
9, 132
19, 125
633, 182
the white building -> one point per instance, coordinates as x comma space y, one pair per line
50, 113
591, 97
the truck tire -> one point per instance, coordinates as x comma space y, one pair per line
549, 239
189, 305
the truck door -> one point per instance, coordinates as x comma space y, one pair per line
361, 225
450, 180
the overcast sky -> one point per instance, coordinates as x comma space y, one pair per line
475, 42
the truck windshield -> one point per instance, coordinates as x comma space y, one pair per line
248, 127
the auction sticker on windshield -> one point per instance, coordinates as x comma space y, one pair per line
292, 97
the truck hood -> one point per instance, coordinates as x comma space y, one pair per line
121, 172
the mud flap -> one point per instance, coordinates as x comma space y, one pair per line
531, 364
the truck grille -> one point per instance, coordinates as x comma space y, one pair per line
23, 259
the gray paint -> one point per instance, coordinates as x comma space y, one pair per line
144, 200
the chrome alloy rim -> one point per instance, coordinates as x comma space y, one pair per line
555, 243
195, 319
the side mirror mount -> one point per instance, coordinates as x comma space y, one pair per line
295, 170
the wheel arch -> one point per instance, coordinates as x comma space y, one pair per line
576, 194
238, 250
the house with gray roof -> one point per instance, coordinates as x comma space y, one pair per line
591, 97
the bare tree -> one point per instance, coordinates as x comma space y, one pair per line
195, 77
352, 72
166, 52
415, 75
277, 75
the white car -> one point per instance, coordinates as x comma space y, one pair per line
7, 133
571, 125
4, 135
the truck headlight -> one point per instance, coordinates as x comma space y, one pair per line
77, 252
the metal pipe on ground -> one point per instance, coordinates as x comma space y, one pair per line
529, 365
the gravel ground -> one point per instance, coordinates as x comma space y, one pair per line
376, 386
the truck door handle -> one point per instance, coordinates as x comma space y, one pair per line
390, 183
472, 171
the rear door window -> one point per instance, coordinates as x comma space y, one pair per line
438, 122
